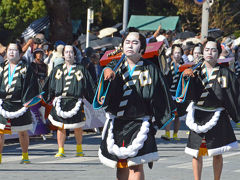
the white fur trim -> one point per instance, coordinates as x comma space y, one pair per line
105, 128
55, 123
213, 152
66, 114
106, 161
143, 159
75, 125
204, 128
192, 152
221, 150
21, 128
11, 115
66, 126
2, 126
131, 150
108, 116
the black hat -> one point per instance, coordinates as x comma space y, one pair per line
37, 50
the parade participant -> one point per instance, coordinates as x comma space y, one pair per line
18, 87
197, 52
172, 78
67, 85
40, 70
39, 67
215, 94
137, 93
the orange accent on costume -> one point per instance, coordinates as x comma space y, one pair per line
175, 113
48, 109
122, 163
7, 129
203, 148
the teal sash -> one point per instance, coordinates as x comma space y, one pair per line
10, 76
183, 84
101, 93
182, 89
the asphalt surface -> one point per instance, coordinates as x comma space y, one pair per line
173, 164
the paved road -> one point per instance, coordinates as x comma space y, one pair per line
173, 164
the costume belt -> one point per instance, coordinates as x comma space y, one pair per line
208, 109
68, 97
8, 100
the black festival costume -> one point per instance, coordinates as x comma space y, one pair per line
173, 77
16, 90
66, 91
134, 97
215, 100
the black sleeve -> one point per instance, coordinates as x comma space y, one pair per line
48, 92
92, 71
232, 100
30, 86
162, 103
90, 86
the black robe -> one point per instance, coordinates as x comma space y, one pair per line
24, 87
214, 101
131, 103
40, 71
172, 78
71, 87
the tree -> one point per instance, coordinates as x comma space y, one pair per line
60, 21
224, 14
190, 14
18, 14
159, 8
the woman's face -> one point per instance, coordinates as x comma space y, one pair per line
39, 55
177, 54
68, 53
210, 52
197, 52
131, 45
13, 53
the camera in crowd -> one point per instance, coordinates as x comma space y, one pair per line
37, 41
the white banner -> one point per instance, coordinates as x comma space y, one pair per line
94, 118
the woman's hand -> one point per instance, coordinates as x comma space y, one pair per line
109, 74
188, 72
